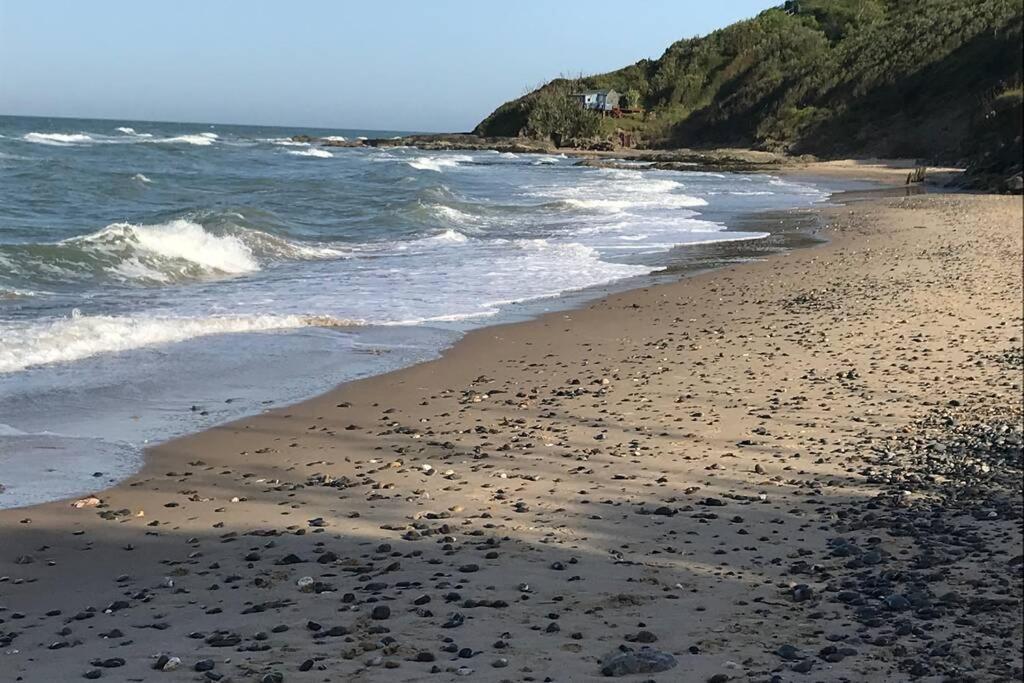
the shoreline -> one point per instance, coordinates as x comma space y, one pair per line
561, 447
694, 257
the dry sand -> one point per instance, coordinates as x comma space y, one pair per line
669, 468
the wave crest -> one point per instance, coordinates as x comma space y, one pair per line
128, 135
57, 138
438, 164
311, 152
179, 240
174, 251
81, 336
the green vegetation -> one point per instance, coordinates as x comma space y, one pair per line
911, 78
555, 114
632, 99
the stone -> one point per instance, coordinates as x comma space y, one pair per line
790, 652
643, 661
224, 640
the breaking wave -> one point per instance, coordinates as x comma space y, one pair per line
81, 336
311, 152
58, 138
201, 139
174, 251
131, 131
128, 135
437, 164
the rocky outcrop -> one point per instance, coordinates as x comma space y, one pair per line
438, 142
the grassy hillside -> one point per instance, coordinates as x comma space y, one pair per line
919, 78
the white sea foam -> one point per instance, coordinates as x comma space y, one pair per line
200, 139
141, 178
446, 238
14, 293
452, 215
81, 336
180, 240
132, 133
336, 138
616, 205
312, 152
58, 138
437, 164
169, 252
449, 236
128, 135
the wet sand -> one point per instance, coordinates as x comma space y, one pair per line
806, 467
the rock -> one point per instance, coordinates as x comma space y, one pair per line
802, 592
327, 558
111, 663
790, 652
380, 612
643, 661
642, 637
804, 666
92, 674
1015, 184
454, 620
204, 665
90, 502
897, 603
224, 640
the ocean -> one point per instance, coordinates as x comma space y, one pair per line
159, 278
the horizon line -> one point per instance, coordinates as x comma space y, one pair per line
213, 123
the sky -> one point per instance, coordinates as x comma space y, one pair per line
438, 65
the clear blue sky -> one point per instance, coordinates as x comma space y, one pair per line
384, 64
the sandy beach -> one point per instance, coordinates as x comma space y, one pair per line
803, 468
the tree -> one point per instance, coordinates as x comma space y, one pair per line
632, 98
557, 115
